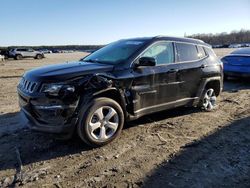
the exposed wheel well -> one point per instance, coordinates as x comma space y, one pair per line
215, 84
115, 95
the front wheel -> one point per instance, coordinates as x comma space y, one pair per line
38, 56
19, 57
208, 100
101, 121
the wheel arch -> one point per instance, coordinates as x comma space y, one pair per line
115, 94
214, 84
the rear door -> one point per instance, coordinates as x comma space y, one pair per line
190, 62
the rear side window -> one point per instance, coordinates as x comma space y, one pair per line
186, 52
210, 52
201, 52
163, 52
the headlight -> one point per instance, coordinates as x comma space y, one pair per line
54, 89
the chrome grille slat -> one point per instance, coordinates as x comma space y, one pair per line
27, 86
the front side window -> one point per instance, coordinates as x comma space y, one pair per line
186, 52
163, 52
21, 50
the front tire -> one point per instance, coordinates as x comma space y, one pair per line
19, 57
101, 121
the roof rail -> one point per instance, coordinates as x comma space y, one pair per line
160, 36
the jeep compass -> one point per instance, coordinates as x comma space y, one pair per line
120, 82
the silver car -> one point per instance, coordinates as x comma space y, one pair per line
19, 53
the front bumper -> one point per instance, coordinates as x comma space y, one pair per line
33, 124
43, 115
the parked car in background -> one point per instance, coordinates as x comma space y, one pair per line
235, 46
5, 53
122, 81
90, 51
45, 51
20, 53
217, 46
2, 58
56, 51
237, 64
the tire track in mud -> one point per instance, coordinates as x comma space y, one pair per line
134, 156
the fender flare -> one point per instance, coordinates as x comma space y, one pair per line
120, 93
203, 85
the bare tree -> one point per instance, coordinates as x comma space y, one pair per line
242, 36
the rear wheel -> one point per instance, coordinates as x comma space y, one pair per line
101, 122
208, 101
19, 57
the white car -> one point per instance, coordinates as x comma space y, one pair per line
19, 53
1, 57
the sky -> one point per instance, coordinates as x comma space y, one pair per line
84, 22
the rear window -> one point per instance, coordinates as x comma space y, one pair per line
186, 52
210, 52
236, 60
201, 52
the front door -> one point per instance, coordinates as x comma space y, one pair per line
30, 53
154, 87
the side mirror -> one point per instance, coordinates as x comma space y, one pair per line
146, 61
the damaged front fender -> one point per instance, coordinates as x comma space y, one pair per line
103, 85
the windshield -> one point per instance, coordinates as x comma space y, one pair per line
115, 52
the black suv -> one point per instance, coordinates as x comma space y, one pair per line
120, 82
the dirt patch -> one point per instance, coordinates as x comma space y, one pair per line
177, 148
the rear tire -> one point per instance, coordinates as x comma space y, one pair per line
208, 100
19, 57
100, 122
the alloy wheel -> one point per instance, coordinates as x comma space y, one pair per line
103, 123
209, 100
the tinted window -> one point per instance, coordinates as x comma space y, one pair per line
163, 52
21, 50
186, 52
201, 52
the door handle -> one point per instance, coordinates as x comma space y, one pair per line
173, 70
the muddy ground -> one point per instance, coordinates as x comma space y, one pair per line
183, 147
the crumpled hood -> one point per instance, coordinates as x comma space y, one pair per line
65, 71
